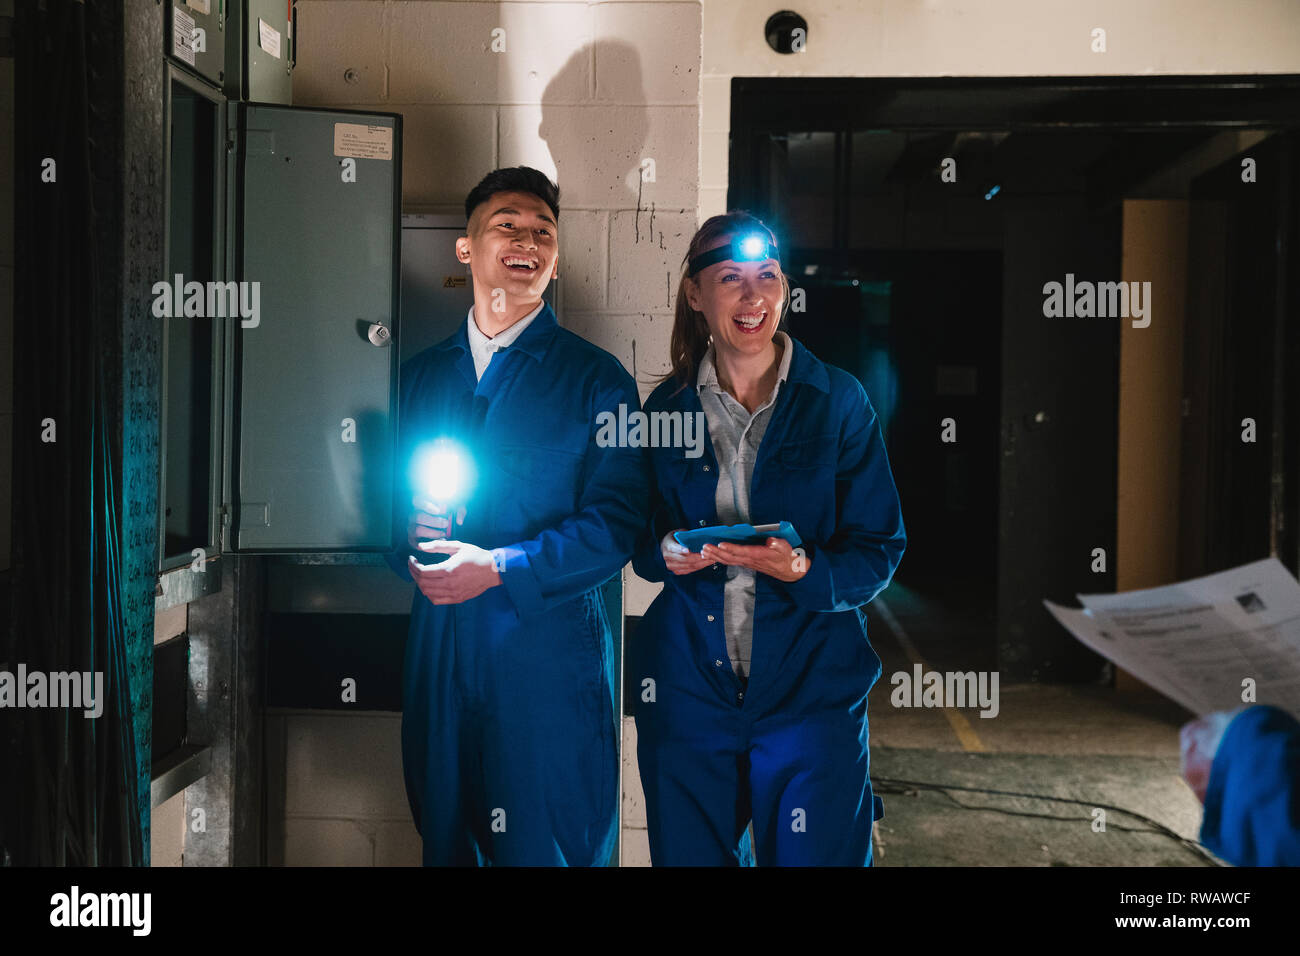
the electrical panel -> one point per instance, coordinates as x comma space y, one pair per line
280, 302
315, 203
246, 48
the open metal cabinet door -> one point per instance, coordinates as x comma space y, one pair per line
314, 228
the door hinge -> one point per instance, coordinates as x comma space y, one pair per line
223, 526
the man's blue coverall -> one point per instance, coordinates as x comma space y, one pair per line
509, 733
1252, 800
790, 749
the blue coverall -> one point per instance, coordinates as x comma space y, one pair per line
790, 749
509, 734
1252, 800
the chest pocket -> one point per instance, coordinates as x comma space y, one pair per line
807, 454
798, 485
536, 486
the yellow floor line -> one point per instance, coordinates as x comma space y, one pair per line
960, 725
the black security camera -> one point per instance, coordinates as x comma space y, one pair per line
787, 32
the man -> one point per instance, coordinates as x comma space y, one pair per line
1244, 766
508, 728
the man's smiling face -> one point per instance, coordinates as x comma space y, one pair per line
513, 244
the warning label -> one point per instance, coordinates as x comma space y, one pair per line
362, 141
182, 36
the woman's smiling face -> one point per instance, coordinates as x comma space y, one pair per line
741, 301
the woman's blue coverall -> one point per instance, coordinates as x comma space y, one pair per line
509, 736
791, 748
1252, 800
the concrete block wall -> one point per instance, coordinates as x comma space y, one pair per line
343, 795
589, 93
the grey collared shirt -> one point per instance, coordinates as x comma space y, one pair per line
736, 436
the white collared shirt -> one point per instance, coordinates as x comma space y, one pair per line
483, 348
736, 435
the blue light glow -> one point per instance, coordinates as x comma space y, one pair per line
441, 471
753, 247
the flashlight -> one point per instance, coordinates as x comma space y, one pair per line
442, 472
442, 476
750, 247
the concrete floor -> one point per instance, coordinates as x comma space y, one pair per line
1107, 749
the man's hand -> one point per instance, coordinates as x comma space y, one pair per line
1200, 741
681, 560
775, 558
429, 520
462, 577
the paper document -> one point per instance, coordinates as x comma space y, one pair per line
1198, 641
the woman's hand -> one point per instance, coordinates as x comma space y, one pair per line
775, 558
681, 560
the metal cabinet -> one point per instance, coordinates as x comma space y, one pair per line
246, 48
280, 383
315, 238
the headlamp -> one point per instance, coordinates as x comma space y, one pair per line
750, 247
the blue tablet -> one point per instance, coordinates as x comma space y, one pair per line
696, 538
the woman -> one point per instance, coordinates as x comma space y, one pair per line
753, 664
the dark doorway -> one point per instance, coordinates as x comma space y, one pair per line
924, 220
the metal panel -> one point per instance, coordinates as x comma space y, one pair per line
317, 399
176, 771
206, 50
436, 287
213, 268
259, 58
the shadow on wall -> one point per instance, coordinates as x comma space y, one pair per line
599, 146
598, 160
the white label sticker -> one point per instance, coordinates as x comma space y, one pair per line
182, 36
268, 38
203, 6
362, 141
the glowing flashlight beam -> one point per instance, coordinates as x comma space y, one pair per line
441, 472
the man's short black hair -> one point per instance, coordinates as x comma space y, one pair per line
514, 179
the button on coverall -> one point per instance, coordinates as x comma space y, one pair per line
508, 725
790, 749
